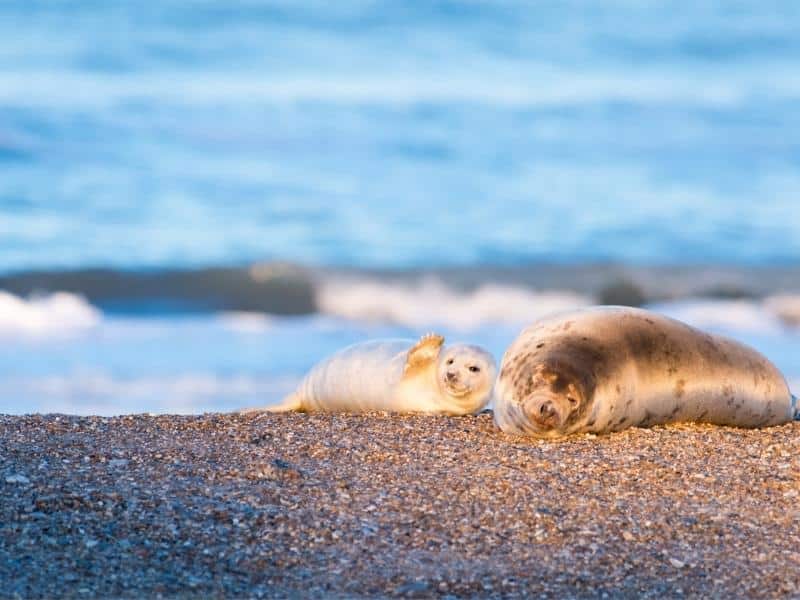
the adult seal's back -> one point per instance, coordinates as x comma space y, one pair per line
604, 369
398, 376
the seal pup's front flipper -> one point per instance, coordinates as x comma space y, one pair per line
423, 353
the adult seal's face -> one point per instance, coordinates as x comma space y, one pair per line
466, 374
544, 401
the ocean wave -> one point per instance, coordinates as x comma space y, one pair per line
771, 315
429, 302
243, 303
276, 288
555, 89
729, 315
54, 314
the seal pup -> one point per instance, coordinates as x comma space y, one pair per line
398, 376
606, 368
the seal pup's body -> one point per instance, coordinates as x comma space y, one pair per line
604, 369
398, 376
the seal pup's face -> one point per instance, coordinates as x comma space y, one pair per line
545, 403
466, 374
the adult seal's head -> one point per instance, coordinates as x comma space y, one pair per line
547, 399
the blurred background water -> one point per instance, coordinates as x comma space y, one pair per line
460, 146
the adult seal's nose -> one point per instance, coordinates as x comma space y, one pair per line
544, 413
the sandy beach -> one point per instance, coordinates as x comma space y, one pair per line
372, 506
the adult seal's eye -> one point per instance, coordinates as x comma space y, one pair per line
475, 369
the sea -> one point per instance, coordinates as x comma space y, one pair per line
201, 199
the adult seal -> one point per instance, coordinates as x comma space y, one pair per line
604, 369
398, 376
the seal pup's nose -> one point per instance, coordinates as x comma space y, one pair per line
451, 376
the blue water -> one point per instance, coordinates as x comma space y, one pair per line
398, 133
375, 134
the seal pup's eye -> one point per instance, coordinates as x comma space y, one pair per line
449, 361
475, 369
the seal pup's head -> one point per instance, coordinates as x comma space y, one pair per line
546, 397
464, 373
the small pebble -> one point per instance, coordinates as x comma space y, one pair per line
17, 478
677, 563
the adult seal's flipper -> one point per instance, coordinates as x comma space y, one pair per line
424, 352
795, 407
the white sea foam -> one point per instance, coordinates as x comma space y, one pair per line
430, 302
729, 315
56, 314
786, 307
245, 322
769, 316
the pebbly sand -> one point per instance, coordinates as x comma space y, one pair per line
294, 505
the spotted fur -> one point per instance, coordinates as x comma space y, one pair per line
604, 369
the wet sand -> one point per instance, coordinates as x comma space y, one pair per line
371, 506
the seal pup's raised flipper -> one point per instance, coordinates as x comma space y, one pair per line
424, 353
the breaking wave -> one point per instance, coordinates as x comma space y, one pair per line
54, 314
420, 303
430, 302
727, 315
